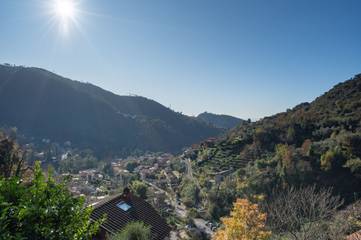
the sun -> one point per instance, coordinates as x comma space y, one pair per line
64, 9
64, 14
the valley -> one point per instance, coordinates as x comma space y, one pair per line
313, 144
180, 120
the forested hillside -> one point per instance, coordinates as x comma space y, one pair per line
45, 105
313, 143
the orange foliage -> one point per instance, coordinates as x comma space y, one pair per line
246, 222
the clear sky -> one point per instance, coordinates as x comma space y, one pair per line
248, 58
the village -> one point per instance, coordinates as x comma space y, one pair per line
157, 177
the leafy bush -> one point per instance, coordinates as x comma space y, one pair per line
42, 209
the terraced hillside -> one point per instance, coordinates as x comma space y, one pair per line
317, 142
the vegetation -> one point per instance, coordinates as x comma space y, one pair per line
11, 158
220, 198
139, 188
42, 209
312, 148
246, 222
303, 214
108, 169
220, 121
189, 193
79, 161
306, 163
133, 231
131, 166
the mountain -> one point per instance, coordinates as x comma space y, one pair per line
42, 104
220, 120
313, 143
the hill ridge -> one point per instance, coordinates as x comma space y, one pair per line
43, 104
317, 142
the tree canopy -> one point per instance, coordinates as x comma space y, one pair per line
139, 188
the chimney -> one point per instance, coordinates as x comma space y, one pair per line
126, 194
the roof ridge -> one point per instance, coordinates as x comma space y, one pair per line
105, 200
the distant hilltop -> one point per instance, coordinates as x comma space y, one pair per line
220, 120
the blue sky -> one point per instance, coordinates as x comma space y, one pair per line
248, 58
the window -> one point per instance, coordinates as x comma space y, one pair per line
123, 205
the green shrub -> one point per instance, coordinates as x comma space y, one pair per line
332, 159
354, 165
42, 209
133, 231
139, 188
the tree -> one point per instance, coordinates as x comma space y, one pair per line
131, 166
345, 222
352, 143
214, 211
139, 188
78, 161
246, 222
42, 209
262, 136
332, 159
11, 158
220, 198
286, 163
301, 214
291, 134
306, 147
133, 231
189, 193
108, 169
354, 165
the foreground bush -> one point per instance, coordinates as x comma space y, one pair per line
42, 209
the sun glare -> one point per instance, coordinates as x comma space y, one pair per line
64, 9
65, 14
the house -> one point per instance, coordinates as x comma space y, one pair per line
126, 208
